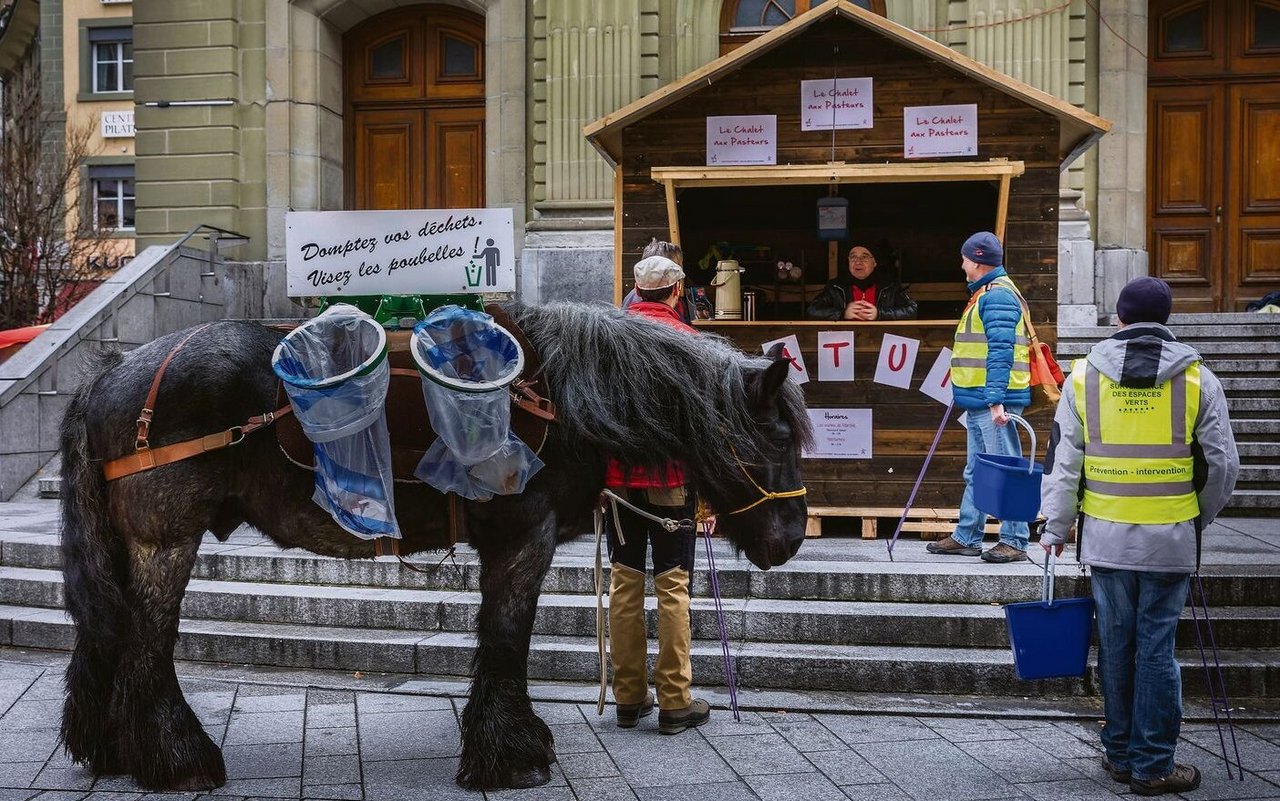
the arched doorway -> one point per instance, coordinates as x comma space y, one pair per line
414, 129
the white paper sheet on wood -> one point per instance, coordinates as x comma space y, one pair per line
897, 361
791, 350
840, 434
737, 140
835, 355
930, 131
937, 384
840, 104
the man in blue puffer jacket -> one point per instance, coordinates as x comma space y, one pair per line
991, 380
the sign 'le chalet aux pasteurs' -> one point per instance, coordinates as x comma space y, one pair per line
429, 251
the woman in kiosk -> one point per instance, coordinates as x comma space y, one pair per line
861, 295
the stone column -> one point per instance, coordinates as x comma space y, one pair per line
1122, 154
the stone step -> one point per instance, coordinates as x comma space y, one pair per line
1254, 407
1259, 474
754, 620
1224, 349
823, 570
1259, 327
794, 666
1269, 387
1259, 449
1255, 428
1258, 501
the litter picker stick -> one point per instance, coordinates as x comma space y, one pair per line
933, 446
1217, 690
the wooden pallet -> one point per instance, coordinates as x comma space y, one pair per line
930, 523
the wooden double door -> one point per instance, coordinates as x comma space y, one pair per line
415, 110
1214, 151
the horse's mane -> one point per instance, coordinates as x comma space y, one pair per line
648, 393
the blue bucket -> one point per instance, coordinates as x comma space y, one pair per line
1008, 487
1050, 640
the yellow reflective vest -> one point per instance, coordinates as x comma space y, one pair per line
969, 352
1137, 446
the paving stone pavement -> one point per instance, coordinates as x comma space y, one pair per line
293, 741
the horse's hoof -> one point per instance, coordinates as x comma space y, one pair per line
533, 777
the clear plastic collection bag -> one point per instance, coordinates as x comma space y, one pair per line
467, 361
336, 374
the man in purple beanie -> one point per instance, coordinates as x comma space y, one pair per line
1142, 452
991, 380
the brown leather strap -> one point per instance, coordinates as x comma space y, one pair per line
149, 405
147, 458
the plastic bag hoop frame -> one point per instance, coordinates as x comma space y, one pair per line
364, 368
474, 387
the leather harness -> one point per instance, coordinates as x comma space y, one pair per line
530, 424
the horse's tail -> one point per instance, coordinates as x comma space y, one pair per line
93, 559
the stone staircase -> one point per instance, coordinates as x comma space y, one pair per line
839, 617
1244, 351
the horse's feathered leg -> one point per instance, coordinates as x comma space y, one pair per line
504, 743
159, 738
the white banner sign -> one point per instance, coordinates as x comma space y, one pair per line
117, 125
929, 131
427, 251
835, 355
897, 361
963, 419
937, 384
742, 140
840, 104
791, 352
840, 434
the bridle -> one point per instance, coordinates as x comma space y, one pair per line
765, 495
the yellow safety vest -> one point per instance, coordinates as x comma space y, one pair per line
969, 352
1137, 446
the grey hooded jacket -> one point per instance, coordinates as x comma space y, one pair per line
1140, 355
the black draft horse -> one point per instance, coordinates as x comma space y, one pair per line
623, 386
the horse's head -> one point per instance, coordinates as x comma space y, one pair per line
760, 502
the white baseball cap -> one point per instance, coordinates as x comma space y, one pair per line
657, 272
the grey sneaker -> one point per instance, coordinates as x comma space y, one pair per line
1002, 553
629, 714
1183, 779
949, 547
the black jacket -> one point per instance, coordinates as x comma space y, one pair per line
892, 301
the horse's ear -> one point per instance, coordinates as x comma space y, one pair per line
774, 375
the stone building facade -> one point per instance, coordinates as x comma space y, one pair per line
244, 111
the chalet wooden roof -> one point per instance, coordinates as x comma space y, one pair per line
1079, 129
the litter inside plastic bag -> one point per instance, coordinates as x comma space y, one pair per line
336, 375
467, 361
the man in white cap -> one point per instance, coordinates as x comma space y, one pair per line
659, 285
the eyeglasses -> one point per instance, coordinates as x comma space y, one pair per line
867, 257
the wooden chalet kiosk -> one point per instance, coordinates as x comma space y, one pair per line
914, 212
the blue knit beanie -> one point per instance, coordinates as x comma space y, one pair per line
983, 248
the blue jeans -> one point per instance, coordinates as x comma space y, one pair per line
1141, 682
987, 437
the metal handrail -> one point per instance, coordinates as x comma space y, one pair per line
214, 233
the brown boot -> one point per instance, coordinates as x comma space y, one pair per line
629, 714
628, 643
672, 672
1002, 553
1183, 779
949, 547
674, 721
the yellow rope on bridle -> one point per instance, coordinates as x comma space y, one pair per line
765, 495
